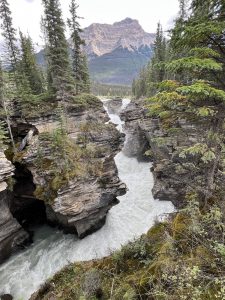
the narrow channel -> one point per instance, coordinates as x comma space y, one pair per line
24, 272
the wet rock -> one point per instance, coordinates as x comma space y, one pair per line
136, 142
6, 297
114, 105
12, 235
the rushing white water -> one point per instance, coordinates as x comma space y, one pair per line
23, 273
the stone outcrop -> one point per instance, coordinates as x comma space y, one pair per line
173, 175
79, 204
136, 141
68, 181
12, 235
114, 105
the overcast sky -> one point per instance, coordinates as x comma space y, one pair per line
27, 13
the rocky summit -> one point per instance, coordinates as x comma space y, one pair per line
105, 38
117, 52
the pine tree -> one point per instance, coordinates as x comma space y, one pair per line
158, 60
85, 78
17, 84
9, 34
29, 65
155, 72
184, 5
5, 104
59, 71
199, 97
80, 69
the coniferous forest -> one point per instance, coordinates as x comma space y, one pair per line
177, 114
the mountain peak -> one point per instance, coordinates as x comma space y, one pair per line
105, 38
127, 21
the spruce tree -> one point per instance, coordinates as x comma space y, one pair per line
29, 65
17, 84
59, 71
80, 69
199, 97
157, 63
154, 72
85, 78
6, 107
9, 34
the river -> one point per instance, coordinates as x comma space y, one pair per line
51, 250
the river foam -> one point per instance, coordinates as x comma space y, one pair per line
137, 211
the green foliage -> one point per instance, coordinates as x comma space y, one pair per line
195, 33
9, 34
149, 76
193, 64
60, 79
62, 164
202, 91
204, 52
168, 85
86, 101
29, 65
203, 150
79, 61
110, 90
3, 135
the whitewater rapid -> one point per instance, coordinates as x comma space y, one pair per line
137, 211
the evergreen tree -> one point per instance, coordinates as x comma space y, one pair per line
157, 63
29, 65
5, 105
85, 78
17, 84
59, 71
80, 69
9, 34
155, 72
199, 98
184, 5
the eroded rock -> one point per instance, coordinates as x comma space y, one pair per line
80, 203
173, 175
12, 235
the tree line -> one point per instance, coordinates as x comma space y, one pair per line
24, 85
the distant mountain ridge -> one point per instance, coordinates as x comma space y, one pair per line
116, 52
104, 38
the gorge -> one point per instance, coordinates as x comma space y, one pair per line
23, 273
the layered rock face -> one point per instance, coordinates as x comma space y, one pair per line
70, 181
173, 175
12, 235
78, 203
104, 38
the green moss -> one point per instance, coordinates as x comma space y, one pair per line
179, 226
65, 161
39, 105
84, 101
